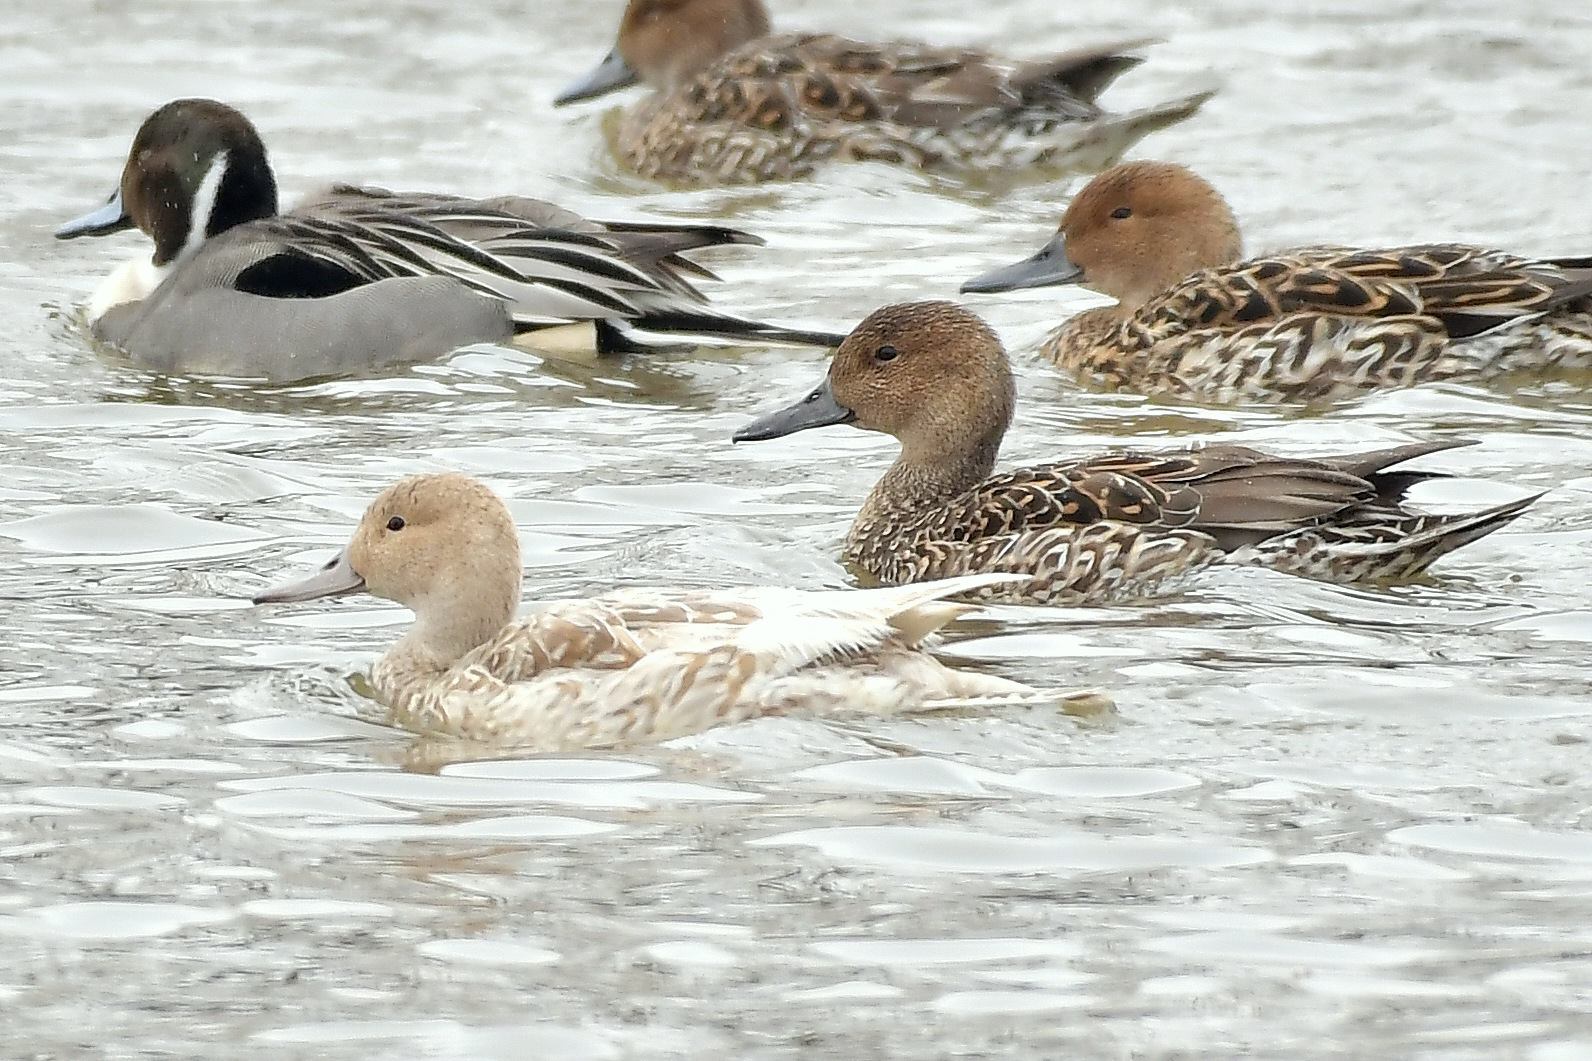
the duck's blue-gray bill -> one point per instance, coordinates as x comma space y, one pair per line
112, 217
611, 74
1050, 266
337, 578
818, 409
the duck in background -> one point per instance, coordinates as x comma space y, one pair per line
1195, 320
631, 667
359, 278
1097, 529
735, 103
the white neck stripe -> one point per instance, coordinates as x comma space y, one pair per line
204, 203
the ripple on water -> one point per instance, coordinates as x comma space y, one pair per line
1060, 851
995, 1003
919, 774
504, 952
551, 769
82, 797
1498, 840
110, 921
1103, 782
309, 729
918, 952
427, 790
690, 954
311, 805
319, 910
508, 828
449, 1038
1224, 948
1386, 867
1405, 698
141, 533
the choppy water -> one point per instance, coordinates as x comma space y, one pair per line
1324, 822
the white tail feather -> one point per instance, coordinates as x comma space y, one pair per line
800, 628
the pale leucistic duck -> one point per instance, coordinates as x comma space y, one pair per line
733, 102
1102, 528
629, 667
1197, 320
359, 278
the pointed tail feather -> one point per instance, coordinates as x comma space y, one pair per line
1146, 120
1083, 72
1391, 486
802, 628
1443, 534
1106, 138
1380, 549
1366, 463
701, 321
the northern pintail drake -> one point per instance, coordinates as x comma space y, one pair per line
632, 667
1102, 528
733, 102
1194, 320
360, 278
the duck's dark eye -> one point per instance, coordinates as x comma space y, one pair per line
396, 523
1121, 212
886, 353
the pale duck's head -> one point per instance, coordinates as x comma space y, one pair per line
1132, 232
196, 168
442, 545
665, 43
931, 374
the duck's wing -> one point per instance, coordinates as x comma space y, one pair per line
785, 80
549, 265
566, 636
1203, 489
1465, 290
1240, 495
1122, 525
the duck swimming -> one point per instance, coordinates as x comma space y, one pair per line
1103, 528
629, 667
734, 103
360, 278
1194, 320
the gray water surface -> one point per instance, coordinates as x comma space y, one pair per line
1323, 821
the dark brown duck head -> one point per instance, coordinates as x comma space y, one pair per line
196, 168
929, 373
1131, 233
664, 43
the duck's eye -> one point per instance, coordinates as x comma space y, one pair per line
396, 523
1121, 212
886, 353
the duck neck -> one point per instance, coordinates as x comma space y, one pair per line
924, 480
1121, 311
452, 625
238, 187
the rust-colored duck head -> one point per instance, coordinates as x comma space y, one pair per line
664, 43
1131, 233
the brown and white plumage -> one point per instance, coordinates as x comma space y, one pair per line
1194, 320
1101, 528
735, 103
628, 667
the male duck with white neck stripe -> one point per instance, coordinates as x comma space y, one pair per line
359, 279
